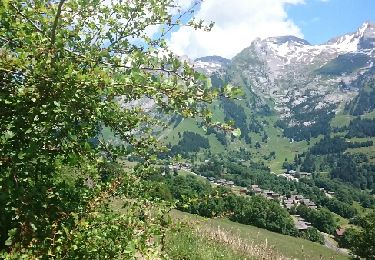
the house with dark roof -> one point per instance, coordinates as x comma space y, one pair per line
229, 183
288, 205
339, 233
305, 174
244, 190
211, 179
275, 195
300, 223
255, 189
221, 182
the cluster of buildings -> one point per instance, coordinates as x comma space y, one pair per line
329, 194
180, 166
288, 203
300, 223
288, 177
268, 194
221, 182
296, 200
292, 175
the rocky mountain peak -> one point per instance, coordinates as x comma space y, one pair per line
211, 64
215, 58
296, 74
288, 39
367, 29
367, 33
289, 53
362, 39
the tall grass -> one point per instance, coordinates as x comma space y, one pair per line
201, 238
195, 241
261, 250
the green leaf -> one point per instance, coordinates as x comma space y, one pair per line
236, 132
21, 155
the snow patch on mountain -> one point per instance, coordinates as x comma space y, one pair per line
210, 64
363, 38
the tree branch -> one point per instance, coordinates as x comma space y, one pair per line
27, 19
56, 22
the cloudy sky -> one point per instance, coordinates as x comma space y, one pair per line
238, 22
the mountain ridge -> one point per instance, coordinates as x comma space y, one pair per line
365, 31
276, 66
293, 90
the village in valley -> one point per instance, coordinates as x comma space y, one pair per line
287, 202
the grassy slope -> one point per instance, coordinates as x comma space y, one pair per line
280, 145
187, 244
285, 149
276, 142
280, 244
190, 125
341, 120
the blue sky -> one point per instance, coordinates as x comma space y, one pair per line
239, 22
321, 20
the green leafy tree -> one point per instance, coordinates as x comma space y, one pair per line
68, 69
313, 234
349, 237
362, 242
263, 213
322, 218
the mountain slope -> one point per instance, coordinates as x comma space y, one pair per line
293, 90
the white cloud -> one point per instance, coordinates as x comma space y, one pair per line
237, 24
